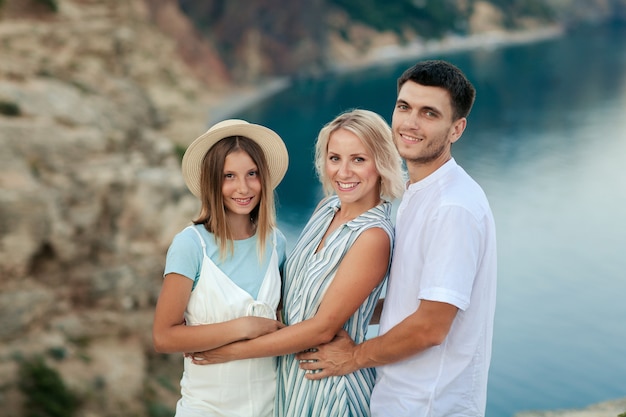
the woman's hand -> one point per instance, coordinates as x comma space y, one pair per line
222, 354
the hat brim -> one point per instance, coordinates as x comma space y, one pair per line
272, 145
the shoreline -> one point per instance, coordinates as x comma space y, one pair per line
240, 98
393, 54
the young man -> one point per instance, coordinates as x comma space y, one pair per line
434, 348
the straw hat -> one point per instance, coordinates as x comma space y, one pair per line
272, 145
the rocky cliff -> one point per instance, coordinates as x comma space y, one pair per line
93, 98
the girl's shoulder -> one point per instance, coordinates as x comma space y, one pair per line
280, 239
194, 235
278, 235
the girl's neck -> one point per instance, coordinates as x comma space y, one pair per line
241, 226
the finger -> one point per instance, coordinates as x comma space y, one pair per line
309, 365
309, 354
316, 374
200, 361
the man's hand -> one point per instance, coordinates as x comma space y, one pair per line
331, 359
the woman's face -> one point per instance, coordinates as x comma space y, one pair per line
351, 169
241, 186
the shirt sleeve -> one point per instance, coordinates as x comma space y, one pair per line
451, 261
184, 255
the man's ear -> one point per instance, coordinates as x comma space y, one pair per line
457, 129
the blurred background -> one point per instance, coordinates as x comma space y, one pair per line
98, 100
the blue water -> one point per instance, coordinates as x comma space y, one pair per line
547, 141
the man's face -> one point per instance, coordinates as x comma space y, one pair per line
423, 125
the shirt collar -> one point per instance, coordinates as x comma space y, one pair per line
441, 172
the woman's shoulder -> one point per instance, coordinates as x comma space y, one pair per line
328, 201
380, 214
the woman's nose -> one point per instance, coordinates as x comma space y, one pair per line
344, 169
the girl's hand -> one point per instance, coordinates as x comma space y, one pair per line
252, 327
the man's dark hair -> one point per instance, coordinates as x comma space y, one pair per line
437, 73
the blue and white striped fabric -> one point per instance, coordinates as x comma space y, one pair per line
307, 277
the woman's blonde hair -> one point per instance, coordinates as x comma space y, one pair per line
213, 212
376, 136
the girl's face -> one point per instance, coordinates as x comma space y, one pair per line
351, 169
242, 185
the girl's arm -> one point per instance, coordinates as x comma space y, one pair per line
170, 334
361, 270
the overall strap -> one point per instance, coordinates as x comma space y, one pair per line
200, 237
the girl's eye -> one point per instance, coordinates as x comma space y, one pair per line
253, 173
228, 176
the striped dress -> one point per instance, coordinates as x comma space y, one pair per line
307, 277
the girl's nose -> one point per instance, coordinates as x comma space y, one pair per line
242, 186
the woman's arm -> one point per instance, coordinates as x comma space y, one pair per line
363, 267
170, 334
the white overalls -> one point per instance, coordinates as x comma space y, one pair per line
242, 388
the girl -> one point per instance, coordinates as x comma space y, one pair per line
222, 281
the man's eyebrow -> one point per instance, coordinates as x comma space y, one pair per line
432, 109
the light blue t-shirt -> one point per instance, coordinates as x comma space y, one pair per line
184, 257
